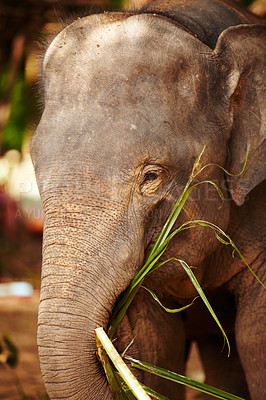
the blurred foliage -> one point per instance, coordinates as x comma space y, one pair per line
9, 359
24, 23
8, 352
14, 129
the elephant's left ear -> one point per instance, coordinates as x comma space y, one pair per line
241, 53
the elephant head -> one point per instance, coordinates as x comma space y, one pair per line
130, 101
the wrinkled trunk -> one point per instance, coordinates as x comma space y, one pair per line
80, 284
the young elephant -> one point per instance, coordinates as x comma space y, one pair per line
130, 101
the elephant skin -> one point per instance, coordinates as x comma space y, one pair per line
130, 99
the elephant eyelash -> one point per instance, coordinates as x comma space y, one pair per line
150, 176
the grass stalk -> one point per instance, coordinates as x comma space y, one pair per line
177, 378
122, 382
134, 385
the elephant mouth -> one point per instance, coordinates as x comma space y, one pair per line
124, 340
123, 336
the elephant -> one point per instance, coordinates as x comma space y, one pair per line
130, 100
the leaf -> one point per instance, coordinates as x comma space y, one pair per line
113, 379
174, 377
204, 299
151, 264
12, 358
154, 394
156, 252
133, 340
169, 310
102, 340
219, 233
127, 393
218, 237
121, 309
114, 382
220, 193
222, 168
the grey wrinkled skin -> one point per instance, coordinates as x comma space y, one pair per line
130, 101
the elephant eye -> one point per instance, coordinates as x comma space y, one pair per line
151, 178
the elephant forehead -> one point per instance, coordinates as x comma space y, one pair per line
85, 37
97, 52
114, 84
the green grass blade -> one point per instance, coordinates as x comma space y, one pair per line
172, 376
126, 392
222, 168
154, 394
157, 251
219, 233
120, 313
220, 193
171, 220
116, 384
204, 299
121, 309
218, 237
197, 162
176, 210
127, 376
164, 235
134, 338
169, 310
148, 266
247, 265
113, 379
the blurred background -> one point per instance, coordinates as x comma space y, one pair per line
25, 25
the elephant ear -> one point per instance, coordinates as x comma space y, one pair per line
241, 52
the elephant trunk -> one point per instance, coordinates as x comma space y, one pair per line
79, 289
